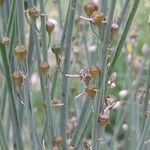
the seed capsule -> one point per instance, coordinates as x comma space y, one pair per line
49, 27
17, 78
103, 119
94, 71
34, 13
91, 91
44, 67
90, 8
98, 18
58, 141
20, 52
5, 40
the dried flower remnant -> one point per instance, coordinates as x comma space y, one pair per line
20, 52
56, 103
34, 13
112, 80
86, 75
44, 67
58, 141
89, 92
133, 34
103, 119
89, 8
5, 40
17, 78
87, 144
49, 27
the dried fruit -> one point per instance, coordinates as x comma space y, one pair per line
34, 13
58, 140
103, 119
49, 27
89, 8
17, 78
98, 18
20, 52
91, 91
94, 71
44, 67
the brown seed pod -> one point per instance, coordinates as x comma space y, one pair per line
34, 13
94, 71
58, 140
17, 78
91, 91
44, 67
49, 27
89, 8
103, 119
20, 52
97, 17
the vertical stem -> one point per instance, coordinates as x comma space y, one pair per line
67, 49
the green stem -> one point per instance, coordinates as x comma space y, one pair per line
124, 35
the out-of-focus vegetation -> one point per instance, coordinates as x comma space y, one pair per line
74, 74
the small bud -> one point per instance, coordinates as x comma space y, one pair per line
114, 28
103, 119
98, 18
17, 78
90, 8
49, 27
123, 93
44, 67
112, 80
20, 52
145, 49
58, 141
138, 64
34, 13
5, 40
94, 71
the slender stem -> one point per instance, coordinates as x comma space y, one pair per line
67, 49
15, 120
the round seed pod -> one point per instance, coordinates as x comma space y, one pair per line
34, 13
94, 71
97, 17
1, 2
114, 28
58, 141
49, 27
20, 52
90, 91
17, 78
89, 8
103, 119
44, 67
5, 40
